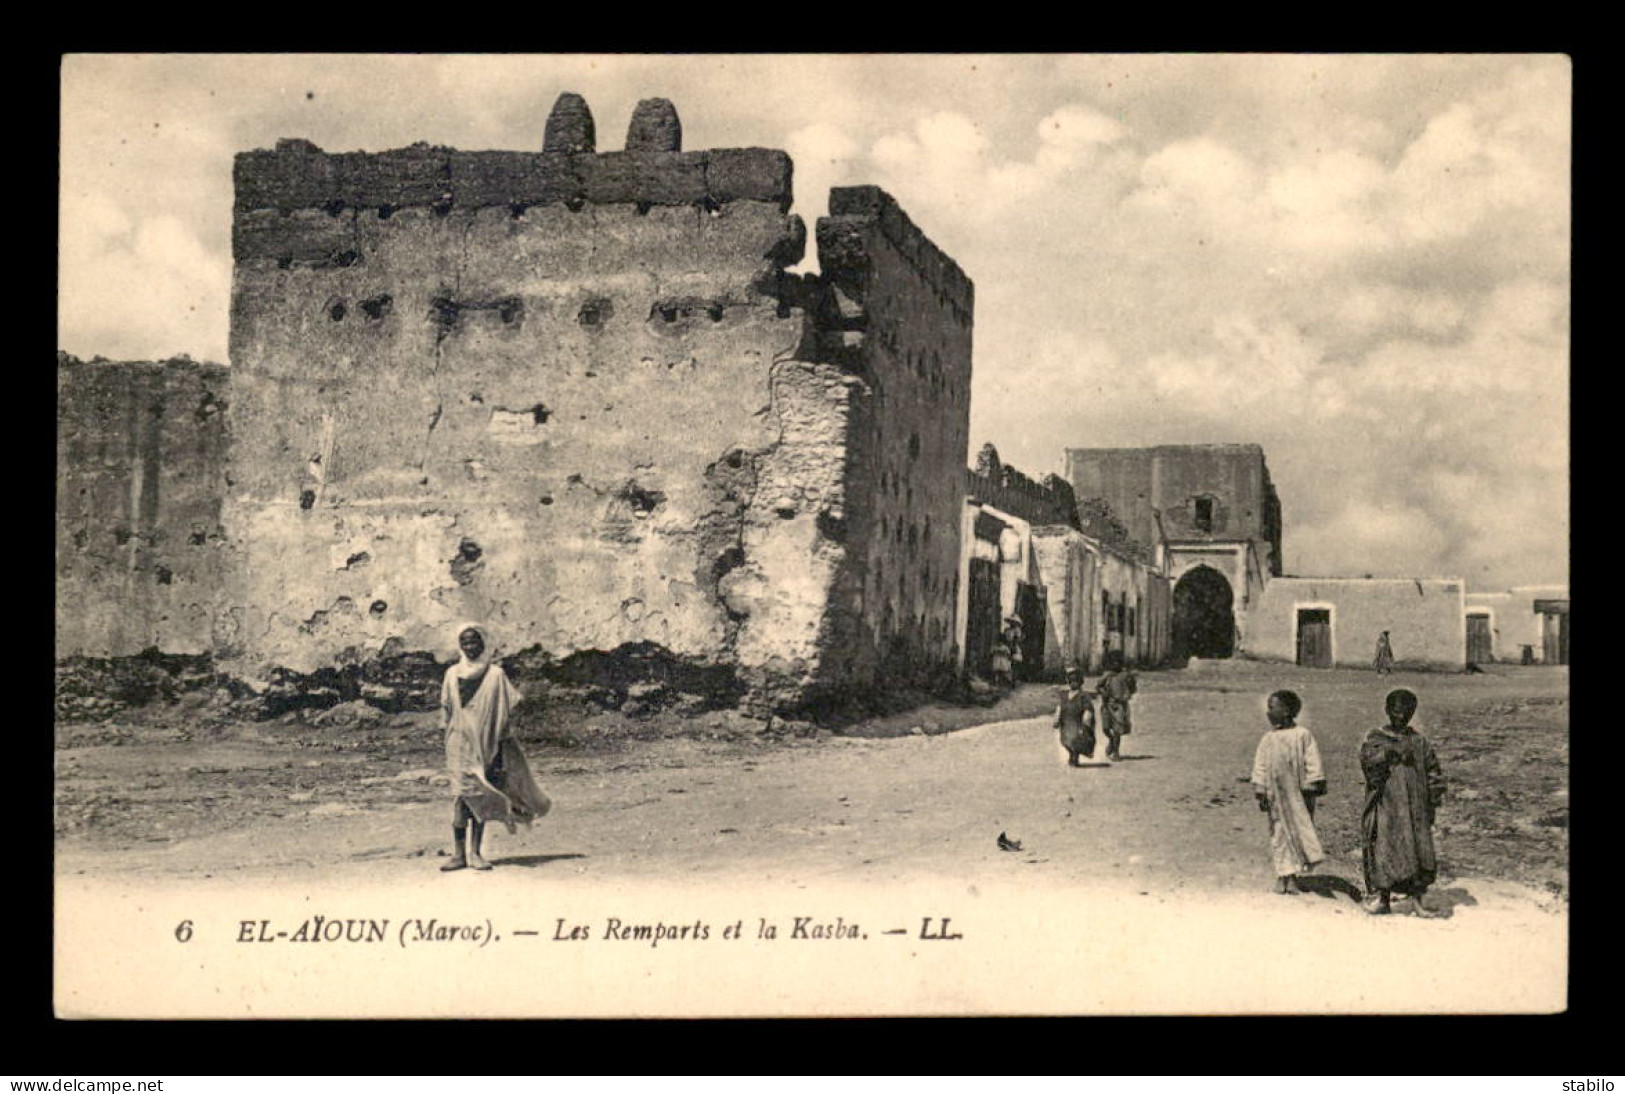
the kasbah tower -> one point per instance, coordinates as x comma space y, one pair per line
577, 395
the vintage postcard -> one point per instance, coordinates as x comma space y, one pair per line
812, 535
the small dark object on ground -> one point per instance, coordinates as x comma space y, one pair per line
1008, 844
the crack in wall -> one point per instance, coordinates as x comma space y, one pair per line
441, 334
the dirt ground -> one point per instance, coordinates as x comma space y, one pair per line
177, 796
175, 791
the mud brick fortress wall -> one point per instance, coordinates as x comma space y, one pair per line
896, 313
141, 462
576, 395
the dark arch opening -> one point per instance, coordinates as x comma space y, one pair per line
1204, 620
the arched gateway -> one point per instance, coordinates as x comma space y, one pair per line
1204, 619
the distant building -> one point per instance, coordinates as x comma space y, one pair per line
1215, 508
1082, 588
1322, 622
1528, 623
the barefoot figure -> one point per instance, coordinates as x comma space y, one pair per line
1403, 789
1287, 778
489, 775
1075, 718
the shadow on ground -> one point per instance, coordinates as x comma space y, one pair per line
1330, 886
532, 860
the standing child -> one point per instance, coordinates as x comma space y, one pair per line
1287, 778
1403, 789
1075, 718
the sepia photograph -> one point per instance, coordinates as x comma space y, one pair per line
811, 535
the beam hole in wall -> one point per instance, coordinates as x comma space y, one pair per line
345, 259
334, 207
642, 502
913, 446
715, 311
385, 211
595, 312
547, 499
444, 312
642, 208
165, 575
307, 498
376, 307
516, 210
510, 310
378, 608
336, 310
727, 562
832, 524
443, 205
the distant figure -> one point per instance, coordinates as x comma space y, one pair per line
1403, 789
1287, 778
1117, 688
1075, 718
1001, 663
1012, 642
488, 771
1384, 661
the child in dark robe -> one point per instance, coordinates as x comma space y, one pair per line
1075, 718
1403, 789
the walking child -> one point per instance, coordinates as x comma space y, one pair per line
1117, 689
1075, 718
1403, 789
1287, 778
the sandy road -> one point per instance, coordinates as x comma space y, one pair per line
1142, 887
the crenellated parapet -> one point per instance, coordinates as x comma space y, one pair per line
993, 482
843, 247
296, 176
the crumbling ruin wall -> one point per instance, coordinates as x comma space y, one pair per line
897, 315
141, 457
562, 392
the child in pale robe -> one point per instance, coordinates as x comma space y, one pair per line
1287, 778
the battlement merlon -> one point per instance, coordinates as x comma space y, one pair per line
298, 175
840, 252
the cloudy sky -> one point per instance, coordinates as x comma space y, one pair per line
1361, 263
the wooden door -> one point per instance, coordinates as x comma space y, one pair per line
1315, 638
982, 624
1031, 609
1480, 644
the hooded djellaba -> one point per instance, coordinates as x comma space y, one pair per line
489, 774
